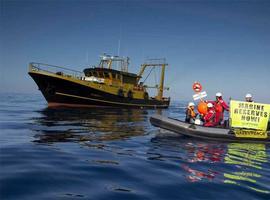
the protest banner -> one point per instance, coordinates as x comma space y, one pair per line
249, 115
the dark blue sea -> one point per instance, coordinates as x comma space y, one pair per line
116, 154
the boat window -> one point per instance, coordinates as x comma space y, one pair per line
95, 74
106, 74
100, 74
113, 75
130, 80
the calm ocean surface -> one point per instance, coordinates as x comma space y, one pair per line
116, 154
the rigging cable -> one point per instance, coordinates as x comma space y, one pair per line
155, 76
148, 74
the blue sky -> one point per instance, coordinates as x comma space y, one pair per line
223, 44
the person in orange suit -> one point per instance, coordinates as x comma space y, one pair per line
210, 117
220, 106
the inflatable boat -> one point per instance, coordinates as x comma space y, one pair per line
198, 131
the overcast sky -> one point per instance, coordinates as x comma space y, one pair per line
223, 44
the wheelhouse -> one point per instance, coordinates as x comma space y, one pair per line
106, 70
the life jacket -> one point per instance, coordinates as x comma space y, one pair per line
192, 113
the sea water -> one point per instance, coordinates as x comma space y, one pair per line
99, 153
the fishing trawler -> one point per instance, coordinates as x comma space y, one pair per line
99, 86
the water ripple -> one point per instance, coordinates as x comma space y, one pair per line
116, 154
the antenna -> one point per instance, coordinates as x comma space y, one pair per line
119, 41
87, 60
119, 45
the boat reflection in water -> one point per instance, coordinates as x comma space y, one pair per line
203, 153
239, 164
246, 163
59, 125
250, 159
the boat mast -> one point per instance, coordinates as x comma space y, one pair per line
155, 63
143, 66
161, 84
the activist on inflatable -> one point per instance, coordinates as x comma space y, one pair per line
244, 116
247, 122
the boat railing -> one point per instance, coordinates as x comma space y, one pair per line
155, 61
53, 69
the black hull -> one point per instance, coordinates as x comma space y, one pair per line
208, 133
61, 92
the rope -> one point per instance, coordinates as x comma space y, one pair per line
155, 76
148, 74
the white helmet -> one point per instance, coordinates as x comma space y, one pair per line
191, 104
248, 95
219, 94
210, 105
